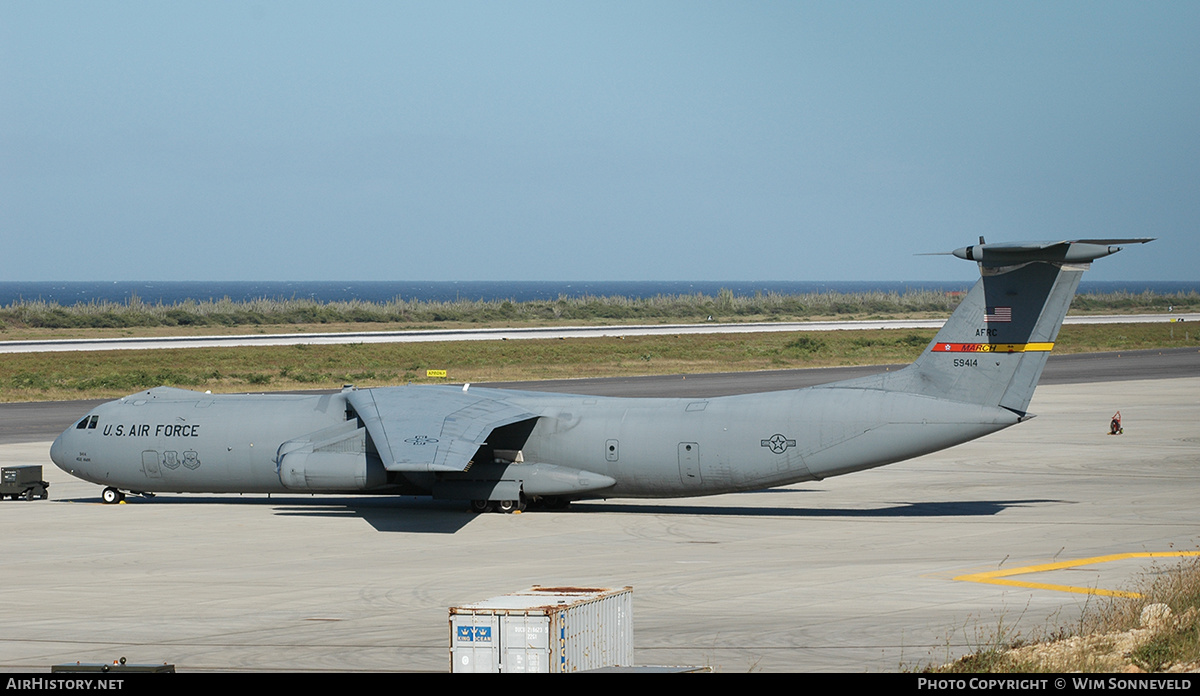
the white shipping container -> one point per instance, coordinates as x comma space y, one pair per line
544, 629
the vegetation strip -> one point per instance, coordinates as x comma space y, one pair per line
36, 319
108, 374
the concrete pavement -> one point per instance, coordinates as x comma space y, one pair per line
850, 574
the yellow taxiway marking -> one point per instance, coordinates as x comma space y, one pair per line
998, 577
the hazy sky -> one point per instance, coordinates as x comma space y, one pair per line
600, 141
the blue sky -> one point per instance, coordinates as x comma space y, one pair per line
591, 141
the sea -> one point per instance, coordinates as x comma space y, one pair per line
67, 293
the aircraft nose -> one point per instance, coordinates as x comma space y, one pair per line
58, 453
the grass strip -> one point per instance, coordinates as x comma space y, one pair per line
100, 374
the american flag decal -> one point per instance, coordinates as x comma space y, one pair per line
996, 314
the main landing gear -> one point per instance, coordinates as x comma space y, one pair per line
505, 506
509, 506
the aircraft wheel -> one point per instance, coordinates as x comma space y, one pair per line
111, 495
481, 505
506, 506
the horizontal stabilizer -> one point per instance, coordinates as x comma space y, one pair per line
1066, 251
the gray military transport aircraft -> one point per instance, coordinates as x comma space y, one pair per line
503, 449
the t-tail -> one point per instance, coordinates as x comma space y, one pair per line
991, 351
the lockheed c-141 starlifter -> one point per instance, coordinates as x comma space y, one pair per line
503, 449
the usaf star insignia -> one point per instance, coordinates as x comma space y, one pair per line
778, 443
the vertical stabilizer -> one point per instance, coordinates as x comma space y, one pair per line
993, 348
991, 351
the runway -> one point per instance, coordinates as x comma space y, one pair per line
506, 334
853, 573
44, 420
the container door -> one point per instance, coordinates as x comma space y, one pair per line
526, 644
473, 643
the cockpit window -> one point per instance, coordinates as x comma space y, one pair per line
89, 423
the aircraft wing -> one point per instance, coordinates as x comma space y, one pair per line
431, 428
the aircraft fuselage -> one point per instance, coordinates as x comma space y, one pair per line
192, 442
